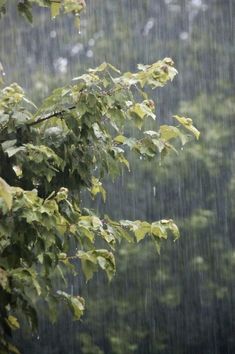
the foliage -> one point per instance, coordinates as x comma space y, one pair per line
181, 302
48, 156
56, 6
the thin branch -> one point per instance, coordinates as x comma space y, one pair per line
51, 115
60, 113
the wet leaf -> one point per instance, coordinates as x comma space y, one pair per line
55, 8
188, 124
5, 193
13, 322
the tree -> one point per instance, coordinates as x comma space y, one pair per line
51, 155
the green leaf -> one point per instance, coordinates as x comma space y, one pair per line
157, 243
141, 229
75, 303
5, 193
158, 230
120, 139
27, 275
97, 188
3, 279
174, 229
12, 349
106, 261
91, 259
12, 322
188, 124
55, 8
2, 2
168, 132
26, 10
74, 6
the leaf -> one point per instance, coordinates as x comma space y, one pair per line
157, 244
2, 2
25, 9
91, 259
55, 8
174, 229
106, 261
5, 193
3, 279
74, 6
120, 139
158, 230
141, 230
11, 151
114, 69
89, 263
88, 269
142, 110
12, 322
29, 102
169, 132
8, 143
152, 133
188, 124
100, 68
97, 188
12, 349
75, 303
27, 275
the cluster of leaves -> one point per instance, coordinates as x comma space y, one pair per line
25, 7
48, 156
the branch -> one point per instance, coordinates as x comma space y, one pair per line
60, 113
51, 115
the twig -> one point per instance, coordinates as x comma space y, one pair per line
60, 113
51, 115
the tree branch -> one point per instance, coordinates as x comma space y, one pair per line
51, 115
60, 113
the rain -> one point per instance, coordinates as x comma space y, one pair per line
183, 300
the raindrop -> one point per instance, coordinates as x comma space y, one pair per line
77, 48
53, 34
149, 25
89, 53
184, 36
197, 3
61, 65
99, 34
91, 42
154, 191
